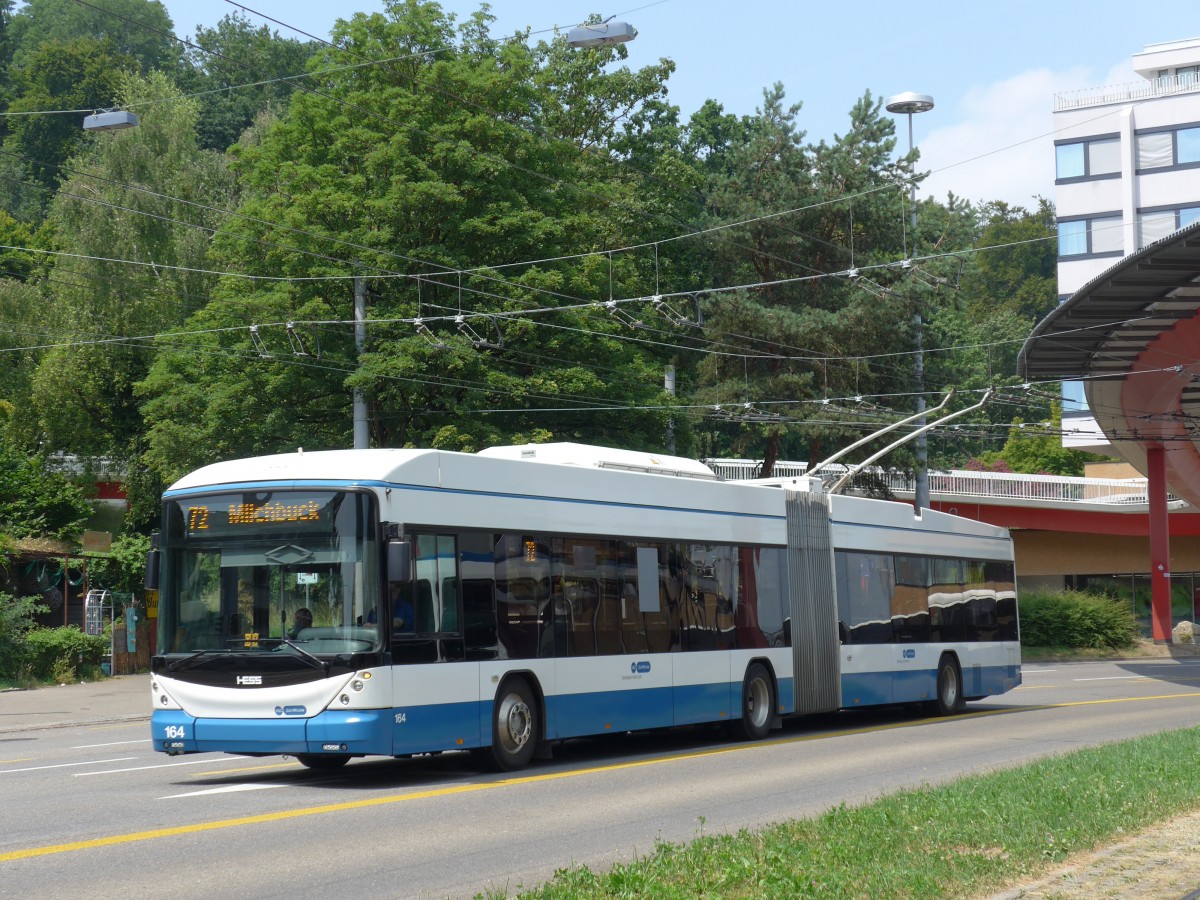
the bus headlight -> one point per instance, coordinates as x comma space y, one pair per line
345, 699
357, 685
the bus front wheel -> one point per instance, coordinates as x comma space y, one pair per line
949, 688
514, 727
758, 704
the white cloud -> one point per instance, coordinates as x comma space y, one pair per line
1002, 147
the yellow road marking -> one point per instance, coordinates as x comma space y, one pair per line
18, 759
196, 828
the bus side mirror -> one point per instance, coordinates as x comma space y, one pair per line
153, 560
399, 561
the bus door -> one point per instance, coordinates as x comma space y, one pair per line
914, 658
436, 694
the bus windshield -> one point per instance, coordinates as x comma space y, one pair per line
270, 570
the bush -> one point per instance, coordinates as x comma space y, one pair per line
16, 619
59, 653
1076, 620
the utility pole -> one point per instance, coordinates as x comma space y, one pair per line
669, 387
361, 425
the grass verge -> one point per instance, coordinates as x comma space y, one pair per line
957, 840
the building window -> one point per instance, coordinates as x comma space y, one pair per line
1155, 151
1156, 224
1090, 237
1095, 158
1187, 145
1073, 398
1163, 149
1072, 160
1072, 238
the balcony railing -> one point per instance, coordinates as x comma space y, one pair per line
1000, 486
1125, 93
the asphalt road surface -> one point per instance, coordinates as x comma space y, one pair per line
93, 811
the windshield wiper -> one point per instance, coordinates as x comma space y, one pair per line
314, 661
188, 661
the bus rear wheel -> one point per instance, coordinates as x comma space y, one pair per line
514, 727
949, 698
758, 704
322, 763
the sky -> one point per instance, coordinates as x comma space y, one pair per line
993, 69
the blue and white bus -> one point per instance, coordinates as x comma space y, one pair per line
339, 604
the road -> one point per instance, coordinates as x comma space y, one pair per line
91, 810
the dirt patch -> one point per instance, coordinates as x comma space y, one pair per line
1158, 863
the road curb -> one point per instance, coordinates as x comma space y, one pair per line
71, 723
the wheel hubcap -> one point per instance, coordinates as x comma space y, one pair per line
516, 723
757, 701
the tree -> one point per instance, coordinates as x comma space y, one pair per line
140, 30
239, 71
809, 211
1003, 289
1033, 451
36, 501
134, 220
79, 73
412, 174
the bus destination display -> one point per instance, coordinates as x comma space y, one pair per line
219, 515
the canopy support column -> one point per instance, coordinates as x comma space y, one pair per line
1160, 544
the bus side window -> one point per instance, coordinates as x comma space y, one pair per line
435, 600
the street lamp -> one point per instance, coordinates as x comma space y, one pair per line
601, 34
109, 120
910, 103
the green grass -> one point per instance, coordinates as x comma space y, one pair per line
974, 835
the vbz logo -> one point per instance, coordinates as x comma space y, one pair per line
910, 654
639, 668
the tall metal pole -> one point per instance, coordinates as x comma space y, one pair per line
921, 447
908, 104
361, 429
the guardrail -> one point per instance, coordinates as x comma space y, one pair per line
1124, 93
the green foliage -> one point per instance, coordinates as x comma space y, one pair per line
79, 73
37, 501
235, 52
1073, 619
433, 156
421, 155
61, 653
16, 620
138, 29
1035, 451
800, 340
84, 394
124, 567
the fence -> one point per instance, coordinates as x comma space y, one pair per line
962, 483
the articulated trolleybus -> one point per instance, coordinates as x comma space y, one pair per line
394, 602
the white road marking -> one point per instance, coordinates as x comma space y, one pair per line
1115, 678
228, 789
193, 762
111, 744
93, 762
